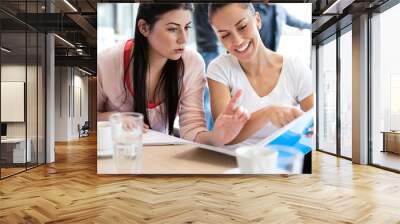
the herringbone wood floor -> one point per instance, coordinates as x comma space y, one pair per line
70, 191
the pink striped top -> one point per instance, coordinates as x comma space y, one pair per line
113, 96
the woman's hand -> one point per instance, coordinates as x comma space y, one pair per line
230, 121
145, 128
282, 115
128, 124
310, 132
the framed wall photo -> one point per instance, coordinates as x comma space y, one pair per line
214, 47
12, 101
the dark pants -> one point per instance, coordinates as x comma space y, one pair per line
307, 163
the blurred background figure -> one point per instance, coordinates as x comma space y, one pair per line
274, 17
206, 40
207, 46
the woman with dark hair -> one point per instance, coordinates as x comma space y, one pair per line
276, 89
155, 75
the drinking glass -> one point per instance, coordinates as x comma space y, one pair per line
127, 131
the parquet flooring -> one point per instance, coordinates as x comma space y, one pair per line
9, 171
70, 191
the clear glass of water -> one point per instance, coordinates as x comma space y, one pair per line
127, 131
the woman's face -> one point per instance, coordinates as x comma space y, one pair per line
237, 29
169, 34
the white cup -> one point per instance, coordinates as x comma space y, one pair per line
104, 136
256, 159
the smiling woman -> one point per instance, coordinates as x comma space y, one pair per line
158, 76
276, 88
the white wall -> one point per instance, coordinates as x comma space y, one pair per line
16, 73
33, 126
61, 104
80, 84
69, 85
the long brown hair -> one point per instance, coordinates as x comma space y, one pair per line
170, 81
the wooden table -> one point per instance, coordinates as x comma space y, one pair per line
174, 159
391, 141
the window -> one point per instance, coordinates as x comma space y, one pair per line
346, 94
327, 96
385, 85
22, 68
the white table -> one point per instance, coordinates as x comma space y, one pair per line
18, 145
176, 159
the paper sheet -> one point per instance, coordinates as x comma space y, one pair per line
154, 138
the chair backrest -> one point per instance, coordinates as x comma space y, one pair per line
86, 125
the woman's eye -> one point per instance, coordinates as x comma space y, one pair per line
243, 27
188, 27
224, 36
172, 29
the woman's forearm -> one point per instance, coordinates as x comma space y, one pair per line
208, 138
104, 116
256, 122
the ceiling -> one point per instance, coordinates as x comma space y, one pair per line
77, 24
330, 15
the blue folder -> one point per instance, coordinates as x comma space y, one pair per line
293, 140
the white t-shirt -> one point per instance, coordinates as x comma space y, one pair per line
294, 85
